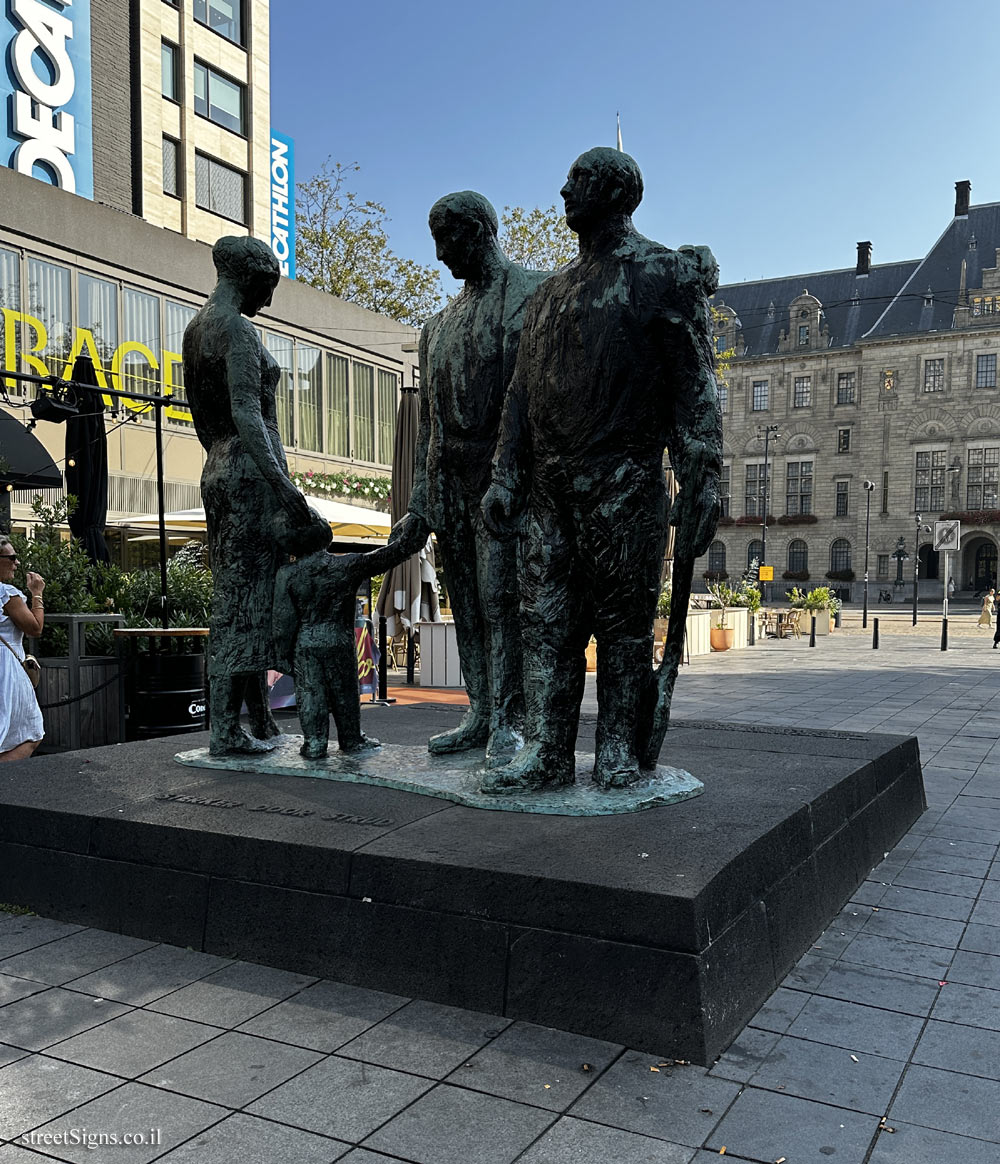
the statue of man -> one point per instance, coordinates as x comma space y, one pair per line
231, 381
467, 355
614, 365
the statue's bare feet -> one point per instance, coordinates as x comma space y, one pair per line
471, 733
364, 744
314, 749
237, 742
528, 771
503, 746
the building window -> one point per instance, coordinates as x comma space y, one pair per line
798, 487
717, 558
219, 99
934, 375
338, 415
97, 311
802, 392
928, 491
723, 397
885, 493
755, 553
756, 489
10, 297
171, 167
720, 344
840, 555
798, 557
845, 388
222, 16
364, 412
803, 335
985, 305
842, 496
882, 565
49, 301
388, 383
220, 189
281, 348
986, 371
759, 396
141, 319
170, 64
176, 317
309, 385
981, 485
726, 488
843, 440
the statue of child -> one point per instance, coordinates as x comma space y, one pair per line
313, 626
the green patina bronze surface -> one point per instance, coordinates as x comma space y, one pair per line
458, 778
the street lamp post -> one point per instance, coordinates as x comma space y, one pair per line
869, 489
916, 562
768, 431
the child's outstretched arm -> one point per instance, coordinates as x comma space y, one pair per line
408, 536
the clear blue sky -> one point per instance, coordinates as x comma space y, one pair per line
778, 133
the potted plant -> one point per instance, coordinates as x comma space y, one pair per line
819, 602
744, 595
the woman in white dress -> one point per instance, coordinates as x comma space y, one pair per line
21, 728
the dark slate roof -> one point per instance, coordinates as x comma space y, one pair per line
941, 271
852, 304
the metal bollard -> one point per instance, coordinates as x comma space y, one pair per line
874, 634
382, 668
836, 619
752, 636
944, 634
812, 631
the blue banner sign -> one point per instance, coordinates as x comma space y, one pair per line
45, 87
283, 201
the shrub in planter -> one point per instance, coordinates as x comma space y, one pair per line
715, 575
754, 520
798, 519
974, 516
727, 520
796, 575
840, 575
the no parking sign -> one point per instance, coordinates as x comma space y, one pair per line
947, 535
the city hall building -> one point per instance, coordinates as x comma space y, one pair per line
133, 135
878, 373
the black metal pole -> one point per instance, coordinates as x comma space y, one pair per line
161, 504
868, 519
916, 572
874, 634
382, 676
944, 607
812, 631
411, 655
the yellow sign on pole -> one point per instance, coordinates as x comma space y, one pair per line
766, 573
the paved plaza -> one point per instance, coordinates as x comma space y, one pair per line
881, 1047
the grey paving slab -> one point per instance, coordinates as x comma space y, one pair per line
537, 1065
942, 862
898, 955
36, 1089
10, 1054
150, 975
915, 927
986, 913
11, 989
135, 1043
573, 1141
324, 1016
932, 904
960, 1048
233, 1069
453, 1126
11, 1154
363, 1156
949, 1102
778, 1013
232, 995
342, 1098
910, 1144
164, 1120
429, 1039
764, 1126
680, 1104
848, 1079
250, 1140
975, 969
981, 939
744, 1055
869, 893
24, 933
808, 972
70, 957
974, 1006
857, 1028
56, 1014
887, 989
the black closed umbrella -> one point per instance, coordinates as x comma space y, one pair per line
87, 462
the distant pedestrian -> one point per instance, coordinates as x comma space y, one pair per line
986, 614
951, 587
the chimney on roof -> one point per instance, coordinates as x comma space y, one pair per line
864, 258
963, 192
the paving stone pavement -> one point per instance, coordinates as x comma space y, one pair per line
881, 1047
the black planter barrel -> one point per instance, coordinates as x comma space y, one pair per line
165, 694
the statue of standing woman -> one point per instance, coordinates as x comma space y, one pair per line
231, 379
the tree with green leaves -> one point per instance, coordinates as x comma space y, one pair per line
538, 239
343, 247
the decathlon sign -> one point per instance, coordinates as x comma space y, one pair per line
283, 201
45, 85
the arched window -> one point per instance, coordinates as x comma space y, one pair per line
755, 550
840, 555
717, 558
798, 556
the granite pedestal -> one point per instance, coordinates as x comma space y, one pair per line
664, 930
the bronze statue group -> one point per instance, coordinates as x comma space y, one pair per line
546, 403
